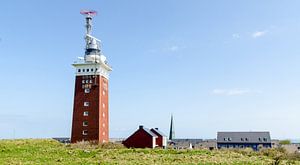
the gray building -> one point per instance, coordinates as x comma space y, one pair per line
254, 140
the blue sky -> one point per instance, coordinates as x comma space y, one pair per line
216, 65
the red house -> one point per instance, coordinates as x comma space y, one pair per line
161, 140
146, 138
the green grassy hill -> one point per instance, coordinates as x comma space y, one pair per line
47, 151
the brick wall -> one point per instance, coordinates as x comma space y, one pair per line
97, 120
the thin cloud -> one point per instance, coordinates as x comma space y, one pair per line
234, 92
258, 34
173, 48
236, 36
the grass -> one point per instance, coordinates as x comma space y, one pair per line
46, 151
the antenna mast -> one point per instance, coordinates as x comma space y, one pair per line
88, 16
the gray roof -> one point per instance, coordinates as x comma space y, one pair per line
149, 132
243, 137
158, 132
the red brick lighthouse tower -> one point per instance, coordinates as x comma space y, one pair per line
90, 110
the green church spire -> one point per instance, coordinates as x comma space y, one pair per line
172, 131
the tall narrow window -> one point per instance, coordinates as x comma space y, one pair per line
79, 70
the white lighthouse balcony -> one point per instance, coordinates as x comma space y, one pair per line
92, 65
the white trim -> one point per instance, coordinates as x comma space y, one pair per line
98, 69
154, 142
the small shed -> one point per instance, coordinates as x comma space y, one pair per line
146, 138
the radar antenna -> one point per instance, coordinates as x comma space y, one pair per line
88, 16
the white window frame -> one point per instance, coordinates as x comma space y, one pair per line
86, 103
85, 132
87, 90
86, 113
85, 123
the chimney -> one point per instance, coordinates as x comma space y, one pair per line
141, 127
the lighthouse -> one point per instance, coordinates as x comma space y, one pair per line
90, 109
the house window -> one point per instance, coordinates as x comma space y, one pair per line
87, 70
103, 125
103, 93
86, 81
86, 104
83, 81
92, 70
87, 90
85, 123
259, 139
246, 139
242, 139
103, 105
83, 70
79, 70
91, 81
103, 114
85, 113
84, 132
229, 139
103, 133
265, 139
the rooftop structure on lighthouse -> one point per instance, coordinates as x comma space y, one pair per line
90, 110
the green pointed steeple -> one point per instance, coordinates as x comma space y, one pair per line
172, 131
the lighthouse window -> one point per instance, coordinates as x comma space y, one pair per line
84, 132
85, 123
86, 104
103, 105
103, 133
87, 90
103, 93
85, 113
79, 70
103, 125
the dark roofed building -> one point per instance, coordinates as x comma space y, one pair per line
254, 140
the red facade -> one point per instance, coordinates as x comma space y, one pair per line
90, 110
140, 139
159, 139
